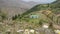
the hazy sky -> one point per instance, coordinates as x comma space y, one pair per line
40, 1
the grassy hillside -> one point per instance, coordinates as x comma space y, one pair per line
47, 14
54, 7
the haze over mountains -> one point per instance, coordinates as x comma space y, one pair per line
13, 7
15, 3
20, 3
41, 1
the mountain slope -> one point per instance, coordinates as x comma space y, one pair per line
13, 7
55, 7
